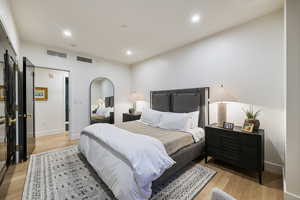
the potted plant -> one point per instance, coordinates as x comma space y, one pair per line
251, 117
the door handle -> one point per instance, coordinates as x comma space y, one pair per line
2, 121
28, 115
11, 121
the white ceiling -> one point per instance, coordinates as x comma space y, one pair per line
154, 26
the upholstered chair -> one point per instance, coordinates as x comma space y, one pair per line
218, 194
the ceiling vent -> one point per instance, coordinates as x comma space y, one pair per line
83, 59
56, 53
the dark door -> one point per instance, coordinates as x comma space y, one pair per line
28, 107
10, 110
67, 103
3, 138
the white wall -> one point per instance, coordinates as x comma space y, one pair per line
292, 154
247, 59
9, 24
81, 75
50, 115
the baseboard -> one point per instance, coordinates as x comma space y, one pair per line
50, 132
290, 196
74, 136
273, 167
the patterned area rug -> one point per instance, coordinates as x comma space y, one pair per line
64, 174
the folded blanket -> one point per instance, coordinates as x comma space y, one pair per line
146, 155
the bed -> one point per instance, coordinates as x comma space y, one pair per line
180, 146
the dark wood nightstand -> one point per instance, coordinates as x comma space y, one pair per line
242, 149
131, 117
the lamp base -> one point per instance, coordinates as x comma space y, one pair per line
221, 114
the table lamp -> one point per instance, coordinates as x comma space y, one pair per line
221, 95
134, 97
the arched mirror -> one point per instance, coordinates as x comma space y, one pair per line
102, 101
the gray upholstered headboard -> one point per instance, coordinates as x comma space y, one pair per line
182, 101
109, 101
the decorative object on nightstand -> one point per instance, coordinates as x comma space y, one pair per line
221, 95
228, 125
131, 116
134, 97
251, 119
242, 149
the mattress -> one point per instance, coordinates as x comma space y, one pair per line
97, 117
172, 140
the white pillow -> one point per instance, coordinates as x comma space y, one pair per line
151, 117
100, 111
194, 119
104, 111
175, 121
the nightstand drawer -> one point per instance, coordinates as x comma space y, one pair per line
230, 142
213, 151
249, 140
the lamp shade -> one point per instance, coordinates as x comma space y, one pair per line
221, 94
136, 97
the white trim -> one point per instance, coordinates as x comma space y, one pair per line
74, 136
273, 167
291, 196
50, 132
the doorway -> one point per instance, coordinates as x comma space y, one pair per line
52, 111
8, 68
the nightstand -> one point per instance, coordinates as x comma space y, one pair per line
131, 117
241, 149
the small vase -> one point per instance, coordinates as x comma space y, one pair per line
255, 122
131, 110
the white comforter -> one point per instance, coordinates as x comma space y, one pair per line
126, 162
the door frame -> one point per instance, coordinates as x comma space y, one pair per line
69, 93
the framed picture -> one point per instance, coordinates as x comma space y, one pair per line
2, 93
41, 94
248, 127
228, 125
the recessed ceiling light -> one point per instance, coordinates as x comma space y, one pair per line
195, 18
67, 33
129, 52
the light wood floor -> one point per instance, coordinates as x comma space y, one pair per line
239, 185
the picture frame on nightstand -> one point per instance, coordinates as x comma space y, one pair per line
248, 127
228, 125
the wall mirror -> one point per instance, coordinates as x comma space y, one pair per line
101, 101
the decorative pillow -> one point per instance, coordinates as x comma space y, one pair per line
194, 119
104, 111
175, 121
100, 111
151, 117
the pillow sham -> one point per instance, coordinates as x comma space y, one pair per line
175, 121
151, 117
194, 119
104, 111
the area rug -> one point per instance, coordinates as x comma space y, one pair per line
64, 174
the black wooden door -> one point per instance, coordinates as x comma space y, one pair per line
3, 138
10, 110
28, 109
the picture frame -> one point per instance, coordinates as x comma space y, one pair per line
2, 93
248, 127
228, 125
41, 94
